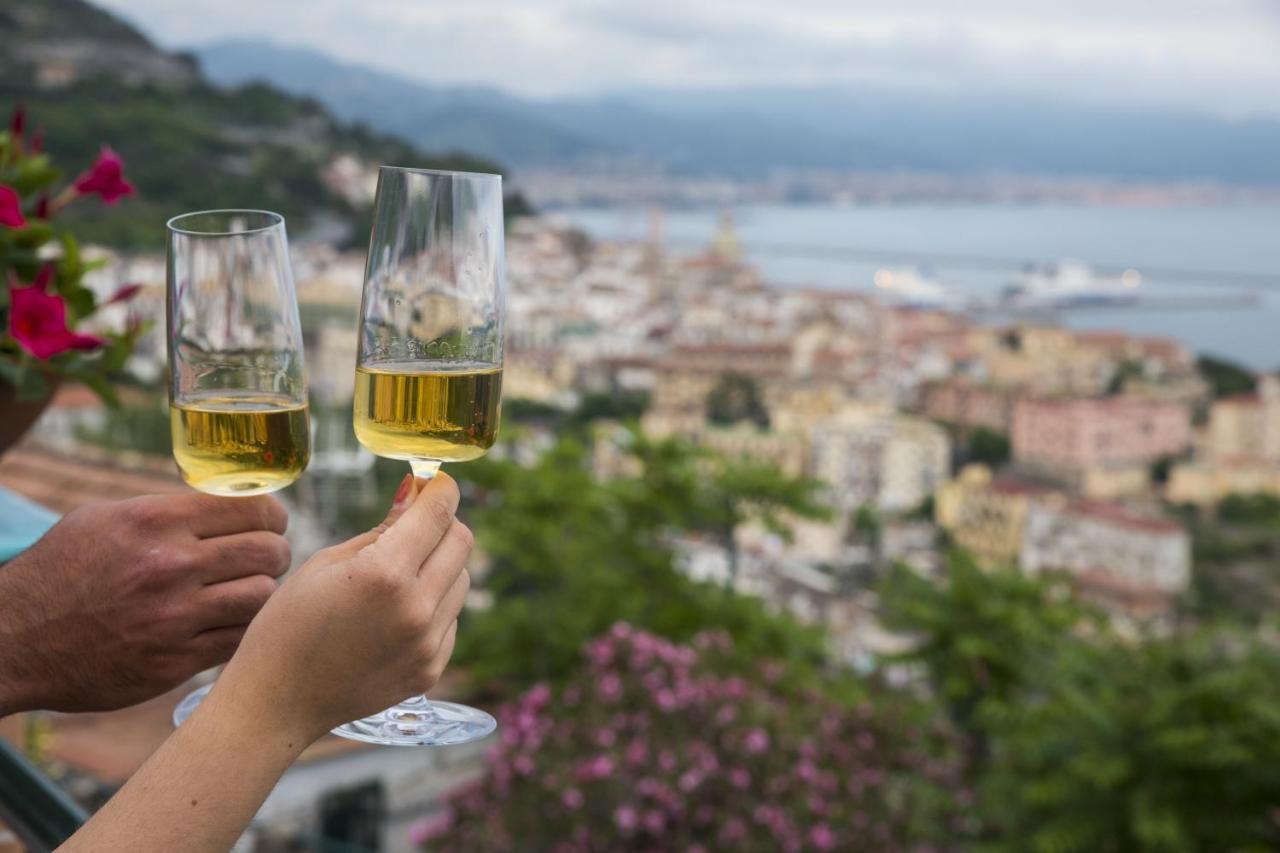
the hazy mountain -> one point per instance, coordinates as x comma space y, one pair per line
752, 132
440, 118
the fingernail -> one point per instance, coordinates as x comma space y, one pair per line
403, 491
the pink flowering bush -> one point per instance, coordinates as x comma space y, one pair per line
652, 748
43, 297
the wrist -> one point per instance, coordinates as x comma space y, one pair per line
246, 705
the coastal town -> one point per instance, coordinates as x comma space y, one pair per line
1085, 455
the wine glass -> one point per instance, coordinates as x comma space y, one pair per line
429, 367
237, 390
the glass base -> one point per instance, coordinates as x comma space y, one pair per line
188, 705
420, 722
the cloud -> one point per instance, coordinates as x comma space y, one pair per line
1221, 56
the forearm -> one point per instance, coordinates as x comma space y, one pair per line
199, 791
17, 657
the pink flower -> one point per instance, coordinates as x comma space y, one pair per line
739, 778
437, 824
523, 765
572, 798
611, 687
538, 695
637, 751
625, 817
654, 821
38, 321
666, 699
11, 208
822, 837
599, 767
105, 177
757, 741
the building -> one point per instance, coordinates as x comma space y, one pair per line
1246, 426
1133, 565
1207, 481
1100, 446
984, 515
869, 454
966, 403
1043, 360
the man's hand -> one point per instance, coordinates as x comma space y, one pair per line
122, 601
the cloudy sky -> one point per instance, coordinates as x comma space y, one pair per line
1220, 56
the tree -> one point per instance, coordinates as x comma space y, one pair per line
1225, 378
981, 633
571, 555
1168, 745
717, 494
987, 446
618, 406
736, 398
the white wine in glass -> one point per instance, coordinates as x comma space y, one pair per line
445, 412
429, 366
237, 387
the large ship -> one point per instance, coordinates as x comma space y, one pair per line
1070, 284
916, 288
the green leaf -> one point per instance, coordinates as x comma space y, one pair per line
98, 383
34, 235
33, 174
113, 358
80, 302
29, 384
70, 266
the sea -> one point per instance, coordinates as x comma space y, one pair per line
1210, 274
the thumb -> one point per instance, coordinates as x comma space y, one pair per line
409, 488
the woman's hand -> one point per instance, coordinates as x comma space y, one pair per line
359, 626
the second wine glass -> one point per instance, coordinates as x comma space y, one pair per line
429, 368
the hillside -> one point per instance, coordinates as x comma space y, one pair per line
90, 79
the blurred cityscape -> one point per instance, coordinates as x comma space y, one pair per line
1021, 572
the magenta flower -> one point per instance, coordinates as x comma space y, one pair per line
18, 121
38, 321
572, 799
105, 177
124, 294
11, 208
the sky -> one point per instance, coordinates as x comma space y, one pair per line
1214, 56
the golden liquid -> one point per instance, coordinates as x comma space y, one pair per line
426, 410
240, 444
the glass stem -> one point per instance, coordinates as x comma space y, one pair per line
424, 469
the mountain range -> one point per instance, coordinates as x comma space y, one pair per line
752, 132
